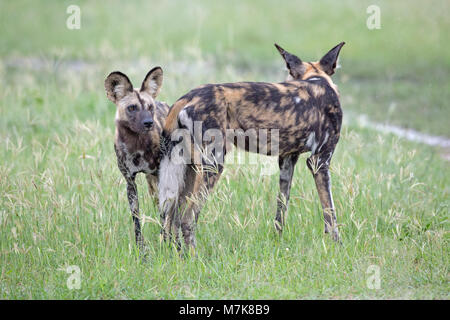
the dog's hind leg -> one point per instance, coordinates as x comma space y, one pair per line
287, 165
193, 200
318, 164
202, 182
173, 223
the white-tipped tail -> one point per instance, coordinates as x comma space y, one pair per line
173, 167
171, 182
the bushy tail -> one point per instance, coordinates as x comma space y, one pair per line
171, 175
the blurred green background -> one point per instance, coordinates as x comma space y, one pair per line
398, 73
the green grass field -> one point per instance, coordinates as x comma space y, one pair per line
63, 200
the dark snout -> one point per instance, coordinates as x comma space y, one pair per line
147, 123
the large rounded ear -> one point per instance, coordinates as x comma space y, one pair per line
117, 86
293, 63
153, 82
329, 61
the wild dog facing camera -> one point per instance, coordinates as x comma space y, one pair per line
135, 107
139, 122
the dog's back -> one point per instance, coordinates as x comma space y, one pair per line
294, 108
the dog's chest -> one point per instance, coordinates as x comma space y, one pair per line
131, 163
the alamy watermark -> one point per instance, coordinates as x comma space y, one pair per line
374, 19
74, 279
208, 147
73, 21
373, 280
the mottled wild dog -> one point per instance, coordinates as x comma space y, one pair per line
139, 122
304, 111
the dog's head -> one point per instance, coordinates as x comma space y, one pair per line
135, 107
300, 70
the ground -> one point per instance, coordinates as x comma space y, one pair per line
63, 201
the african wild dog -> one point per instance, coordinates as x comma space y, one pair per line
305, 112
139, 122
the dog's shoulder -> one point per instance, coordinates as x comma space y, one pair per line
162, 108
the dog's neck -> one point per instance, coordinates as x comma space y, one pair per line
327, 79
133, 141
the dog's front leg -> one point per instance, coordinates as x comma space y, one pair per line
319, 168
152, 182
287, 165
134, 207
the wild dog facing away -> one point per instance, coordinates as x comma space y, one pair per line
300, 115
139, 122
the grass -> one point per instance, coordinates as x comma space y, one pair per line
63, 200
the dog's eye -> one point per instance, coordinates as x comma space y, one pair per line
132, 108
